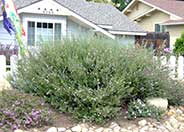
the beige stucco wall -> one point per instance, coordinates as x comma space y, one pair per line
175, 32
138, 9
148, 23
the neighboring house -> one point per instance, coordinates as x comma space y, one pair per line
52, 20
158, 16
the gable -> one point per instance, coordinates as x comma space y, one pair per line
46, 7
154, 5
137, 9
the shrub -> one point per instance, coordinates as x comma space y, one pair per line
138, 108
175, 93
18, 110
179, 45
91, 78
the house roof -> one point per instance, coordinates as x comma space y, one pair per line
97, 13
173, 6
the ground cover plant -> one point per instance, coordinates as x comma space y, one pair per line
139, 108
22, 111
92, 78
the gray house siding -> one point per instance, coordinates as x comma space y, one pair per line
5, 37
76, 30
126, 39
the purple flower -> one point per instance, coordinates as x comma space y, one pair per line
8, 113
15, 127
1, 124
167, 50
35, 114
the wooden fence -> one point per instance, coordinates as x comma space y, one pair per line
6, 69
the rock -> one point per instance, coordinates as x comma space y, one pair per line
174, 123
35, 130
107, 130
142, 123
99, 129
18, 130
84, 129
158, 102
180, 119
179, 112
61, 129
143, 129
123, 130
76, 128
113, 124
116, 129
92, 128
52, 129
84, 125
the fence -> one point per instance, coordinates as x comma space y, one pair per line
175, 64
5, 68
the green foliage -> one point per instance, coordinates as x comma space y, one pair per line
175, 93
179, 45
120, 4
91, 78
18, 110
138, 108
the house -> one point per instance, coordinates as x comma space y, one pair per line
52, 20
158, 16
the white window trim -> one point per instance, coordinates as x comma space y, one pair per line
36, 20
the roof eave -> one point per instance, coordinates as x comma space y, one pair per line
128, 33
173, 23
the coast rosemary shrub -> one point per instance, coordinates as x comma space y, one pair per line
22, 111
91, 78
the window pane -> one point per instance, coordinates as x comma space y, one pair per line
31, 33
157, 28
44, 25
44, 32
57, 35
39, 25
50, 25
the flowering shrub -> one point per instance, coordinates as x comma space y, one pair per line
18, 110
138, 108
91, 78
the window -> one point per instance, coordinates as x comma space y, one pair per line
39, 32
159, 28
31, 33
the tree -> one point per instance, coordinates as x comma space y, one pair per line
179, 45
120, 4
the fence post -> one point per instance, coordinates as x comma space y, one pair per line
13, 64
180, 68
172, 67
2, 66
163, 60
